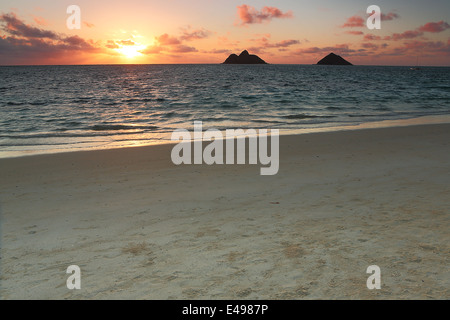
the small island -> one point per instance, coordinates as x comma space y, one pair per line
334, 60
244, 58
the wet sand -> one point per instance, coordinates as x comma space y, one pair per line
140, 227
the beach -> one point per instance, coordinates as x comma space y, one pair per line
140, 227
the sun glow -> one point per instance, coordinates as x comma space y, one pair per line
131, 52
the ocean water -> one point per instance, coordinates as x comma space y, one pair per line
64, 108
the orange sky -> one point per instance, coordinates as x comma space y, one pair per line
207, 31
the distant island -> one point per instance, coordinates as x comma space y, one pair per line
244, 58
335, 60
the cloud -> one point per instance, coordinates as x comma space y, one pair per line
154, 49
89, 25
22, 43
390, 16
167, 40
126, 42
255, 50
183, 49
356, 33
14, 26
196, 34
263, 43
75, 42
40, 21
354, 22
410, 34
249, 15
284, 44
424, 48
112, 44
29, 51
370, 46
359, 22
158, 49
218, 51
431, 46
168, 44
430, 27
371, 37
117, 44
338, 49
435, 27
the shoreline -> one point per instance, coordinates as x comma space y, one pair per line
417, 121
140, 227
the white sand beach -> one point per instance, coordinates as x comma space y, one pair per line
140, 227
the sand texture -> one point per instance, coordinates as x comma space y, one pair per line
140, 227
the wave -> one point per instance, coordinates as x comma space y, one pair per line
117, 127
155, 99
265, 121
38, 103
305, 116
69, 134
226, 105
218, 119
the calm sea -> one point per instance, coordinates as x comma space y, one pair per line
64, 108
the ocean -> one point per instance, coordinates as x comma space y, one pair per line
46, 109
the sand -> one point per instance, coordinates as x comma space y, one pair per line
140, 227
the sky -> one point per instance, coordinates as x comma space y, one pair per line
207, 31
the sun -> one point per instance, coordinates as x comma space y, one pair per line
132, 51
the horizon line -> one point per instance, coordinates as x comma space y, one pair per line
149, 64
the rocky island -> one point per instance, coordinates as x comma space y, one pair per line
335, 60
244, 58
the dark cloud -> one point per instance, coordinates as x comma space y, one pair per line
24, 44
13, 26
